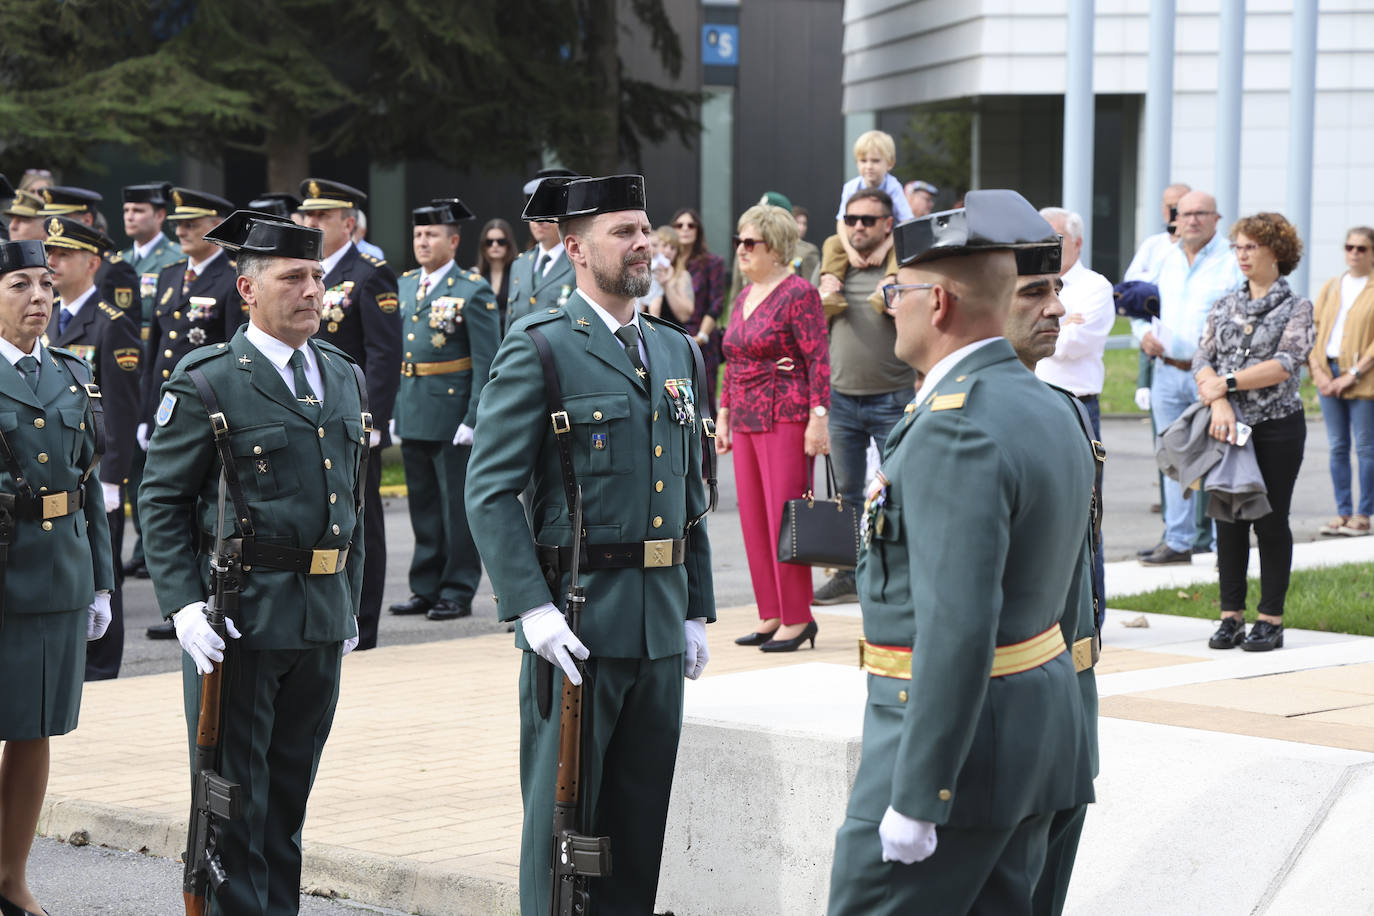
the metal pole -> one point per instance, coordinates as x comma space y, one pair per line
1302, 97
1159, 112
1230, 85
1078, 120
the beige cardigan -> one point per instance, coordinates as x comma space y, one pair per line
1357, 340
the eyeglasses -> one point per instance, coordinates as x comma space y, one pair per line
893, 291
1360, 248
1197, 214
747, 243
684, 225
1245, 249
853, 219
492, 243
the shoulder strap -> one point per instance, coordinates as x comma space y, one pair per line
708, 428
21, 480
1095, 509
243, 519
360, 486
562, 427
81, 372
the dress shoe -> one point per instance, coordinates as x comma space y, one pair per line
135, 570
841, 589
755, 639
1164, 555
1263, 637
9, 908
164, 630
1230, 634
1149, 550
415, 604
792, 645
1200, 550
448, 609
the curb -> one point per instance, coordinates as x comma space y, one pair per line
394, 491
331, 871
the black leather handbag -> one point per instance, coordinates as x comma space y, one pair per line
820, 532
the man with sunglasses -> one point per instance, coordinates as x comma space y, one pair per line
543, 276
869, 385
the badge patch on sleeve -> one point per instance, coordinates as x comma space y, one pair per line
387, 302
127, 358
164, 410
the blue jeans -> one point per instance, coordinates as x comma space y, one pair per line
1171, 394
1350, 422
854, 420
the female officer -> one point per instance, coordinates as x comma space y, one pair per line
55, 572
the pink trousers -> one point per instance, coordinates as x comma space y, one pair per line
770, 468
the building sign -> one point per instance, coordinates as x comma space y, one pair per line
720, 45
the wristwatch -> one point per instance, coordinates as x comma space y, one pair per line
1355, 371
820, 410
1231, 383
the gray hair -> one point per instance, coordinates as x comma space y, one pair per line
362, 220
1073, 223
252, 265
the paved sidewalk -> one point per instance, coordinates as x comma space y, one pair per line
417, 805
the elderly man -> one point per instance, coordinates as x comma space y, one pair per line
869, 385
964, 633
1196, 272
281, 417
921, 196
1149, 257
633, 413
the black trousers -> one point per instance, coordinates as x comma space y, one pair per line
1278, 449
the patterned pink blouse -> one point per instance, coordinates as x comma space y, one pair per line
777, 361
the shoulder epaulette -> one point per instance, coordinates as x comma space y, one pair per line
542, 316
114, 257
662, 320
412, 272
110, 310
328, 347
373, 260
204, 354
177, 262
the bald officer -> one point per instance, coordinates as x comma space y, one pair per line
977, 536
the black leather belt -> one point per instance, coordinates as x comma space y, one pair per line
1184, 365
635, 555
309, 561
43, 506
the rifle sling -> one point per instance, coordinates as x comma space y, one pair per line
1095, 507
243, 518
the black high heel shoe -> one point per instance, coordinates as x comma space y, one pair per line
755, 639
793, 644
10, 908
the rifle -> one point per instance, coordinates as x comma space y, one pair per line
213, 798
576, 856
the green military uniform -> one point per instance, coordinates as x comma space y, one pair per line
640, 473
164, 254
452, 331
531, 291
299, 464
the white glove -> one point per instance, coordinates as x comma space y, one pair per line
374, 438
1142, 398
391, 428
546, 630
351, 642
111, 493
143, 435
905, 839
463, 436
200, 642
98, 616
697, 655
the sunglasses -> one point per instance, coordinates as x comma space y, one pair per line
684, 225
869, 222
747, 243
1360, 248
491, 243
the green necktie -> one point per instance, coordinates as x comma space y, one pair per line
304, 393
28, 367
629, 336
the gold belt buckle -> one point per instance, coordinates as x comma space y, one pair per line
1082, 654
658, 553
54, 505
408, 370
324, 562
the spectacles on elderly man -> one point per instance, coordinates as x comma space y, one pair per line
894, 291
1197, 214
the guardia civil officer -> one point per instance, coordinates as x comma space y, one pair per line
452, 329
117, 281
24, 221
55, 562
629, 388
972, 573
107, 338
278, 203
360, 316
541, 277
293, 432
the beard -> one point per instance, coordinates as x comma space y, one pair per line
619, 281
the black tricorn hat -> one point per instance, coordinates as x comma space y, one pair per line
991, 220
557, 199
321, 194
548, 173
157, 193
19, 255
192, 204
278, 203
1045, 258
6, 189
62, 200
264, 233
70, 233
442, 211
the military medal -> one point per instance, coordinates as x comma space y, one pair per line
875, 498
201, 308
445, 314
563, 293
196, 336
599, 441
681, 393
332, 327
147, 285
438, 339
336, 300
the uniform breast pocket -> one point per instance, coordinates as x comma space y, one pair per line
601, 431
73, 432
678, 437
263, 463
355, 437
889, 551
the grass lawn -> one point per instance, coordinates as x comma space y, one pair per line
1338, 599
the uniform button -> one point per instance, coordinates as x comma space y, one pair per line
901, 696
320, 430
658, 521
408, 354
335, 529
328, 464
658, 487
39, 423
42, 457
414, 317
176, 315
171, 335
655, 416
257, 450
658, 451
83, 424
333, 498
596, 415
410, 337
450, 391
47, 526
945, 794
167, 353
166, 373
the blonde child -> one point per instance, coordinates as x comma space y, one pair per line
875, 154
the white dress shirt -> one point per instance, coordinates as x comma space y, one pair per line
142, 251
74, 307
329, 262
550, 255
1076, 365
200, 268
613, 324
279, 355
1149, 257
13, 354
433, 279
937, 372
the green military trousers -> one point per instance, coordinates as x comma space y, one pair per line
632, 710
445, 563
278, 707
1060, 853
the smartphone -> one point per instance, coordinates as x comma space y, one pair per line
1242, 433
